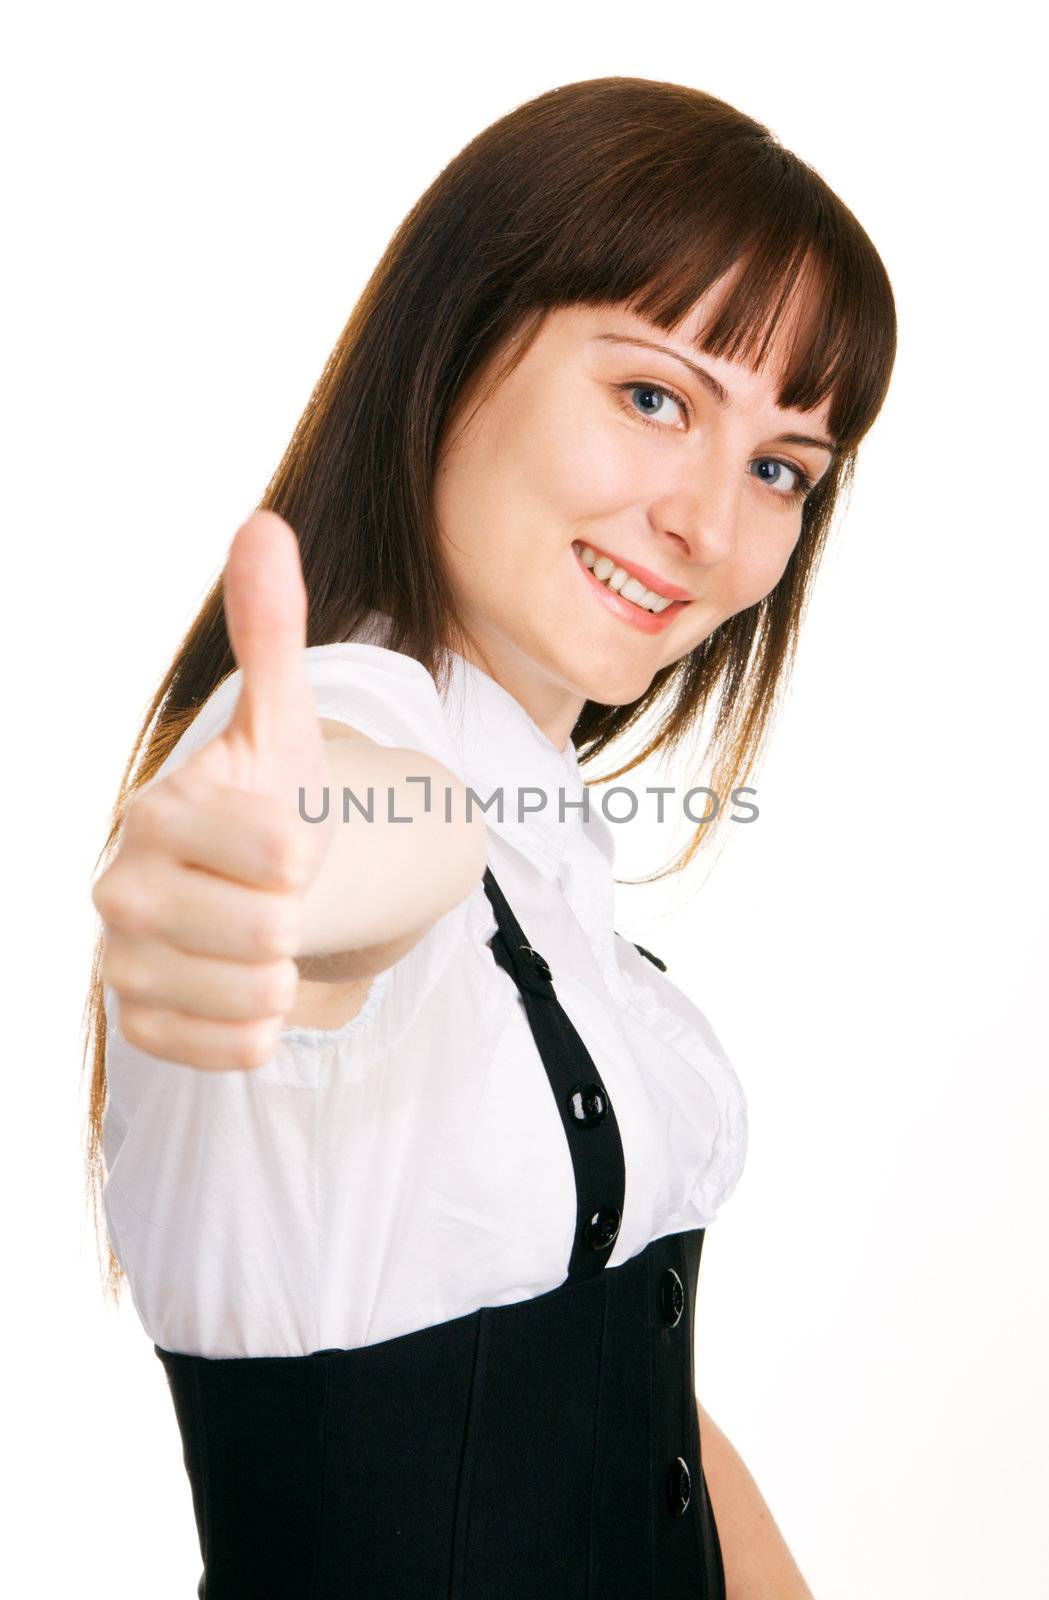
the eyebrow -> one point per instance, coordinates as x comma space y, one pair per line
718, 390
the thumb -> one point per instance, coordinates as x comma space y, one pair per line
265, 602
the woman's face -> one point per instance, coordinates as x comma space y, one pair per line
599, 440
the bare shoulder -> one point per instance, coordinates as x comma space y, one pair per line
332, 729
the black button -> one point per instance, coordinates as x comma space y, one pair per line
535, 960
603, 1228
587, 1104
679, 1487
672, 1295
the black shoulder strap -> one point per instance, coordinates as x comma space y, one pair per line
654, 959
583, 1101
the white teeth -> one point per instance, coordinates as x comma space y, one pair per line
614, 577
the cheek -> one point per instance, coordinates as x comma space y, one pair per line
573, 461
759, 565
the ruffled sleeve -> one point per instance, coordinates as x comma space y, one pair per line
387, 696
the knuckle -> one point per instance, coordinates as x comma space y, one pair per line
276, 929
100, 890
277, 987
291, 984
255, 1044
117, 900
139, 1025
284, 850
125, 972
146, 815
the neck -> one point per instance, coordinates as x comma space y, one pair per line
551, 704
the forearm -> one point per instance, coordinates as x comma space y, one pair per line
758, 1565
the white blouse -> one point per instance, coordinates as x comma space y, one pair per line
411, 1166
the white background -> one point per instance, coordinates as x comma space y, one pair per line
194, 198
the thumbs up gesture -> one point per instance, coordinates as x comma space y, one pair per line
202, 902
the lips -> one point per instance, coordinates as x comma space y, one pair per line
637, 617
651, 580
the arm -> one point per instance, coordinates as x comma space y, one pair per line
758, 1565
384, 883
218, 893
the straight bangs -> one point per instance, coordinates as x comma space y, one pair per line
794, 284
693, 203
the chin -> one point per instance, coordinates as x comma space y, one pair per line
610, 685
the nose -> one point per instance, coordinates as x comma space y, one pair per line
701, 513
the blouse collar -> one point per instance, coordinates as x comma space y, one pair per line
502, 750
508, 760
504, 753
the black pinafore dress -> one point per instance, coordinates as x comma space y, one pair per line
543, 1450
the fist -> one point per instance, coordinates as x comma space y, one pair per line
202, 902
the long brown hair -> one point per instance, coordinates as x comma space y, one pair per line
612, 190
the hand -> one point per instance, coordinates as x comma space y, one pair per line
202, 902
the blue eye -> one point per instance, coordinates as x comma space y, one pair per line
650, 389
802, 482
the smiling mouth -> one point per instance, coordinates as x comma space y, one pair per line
622, 582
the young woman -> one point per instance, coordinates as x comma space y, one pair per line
407, 1154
